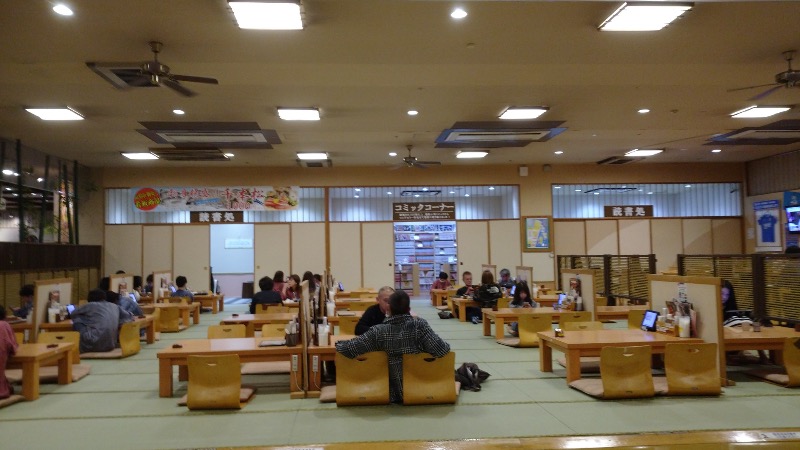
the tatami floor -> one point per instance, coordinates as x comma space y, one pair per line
118, 406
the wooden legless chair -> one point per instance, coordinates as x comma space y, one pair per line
215, 382
428, 380
363, 380
226, 331
692, 369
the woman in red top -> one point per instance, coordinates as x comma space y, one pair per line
278, 283
291, 290
442, 282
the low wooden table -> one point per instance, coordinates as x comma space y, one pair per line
769, 338
602, 313
438, 297
192, 308
334, 321
247, 349
348, 294
30, 357
215, 302
321, 353
345, 304
546, 300
576, 344
255, 321
459, 306
146, 323
511, 315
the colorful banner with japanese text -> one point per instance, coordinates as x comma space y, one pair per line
424, 211
231, 198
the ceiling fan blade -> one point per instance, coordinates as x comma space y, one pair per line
766, 93
751, 87
194, 79
174, 85
141, 80
419, 166
430, 163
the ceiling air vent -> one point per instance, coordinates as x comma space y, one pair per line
616, 160
190, 154
496, 136
121, 75
766, 134
428, 193
315, 164
215, 137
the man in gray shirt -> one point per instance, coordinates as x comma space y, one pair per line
98, 323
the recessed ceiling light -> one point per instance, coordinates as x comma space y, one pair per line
229, 155
458, 13
556, 187
759, 111
357, 189
298, 113
643, 111
416, 195
558, 152
596, 193
466, 195
425, 189
178, 112
523, 112
452, 192
491, 188
55, 113
644, 16
312, 156
463, 155
267, 15
139, 155
688, 186
392, 154
356, 196
638, 152
388, 193
716, 150
412, 112
649, 193
62, 9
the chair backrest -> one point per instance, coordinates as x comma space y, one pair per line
626, 372
179, 300
530, 324
226, 331
58, 337
20, 337
347, 324
503, 302
635, 317
170, 319
574, 316
273, 330
791, 360
428, 380
692, 369
451, 292
368, 296
273, 309
129, 339
360, 306
582, 326
214, 382
156, 319
363, 380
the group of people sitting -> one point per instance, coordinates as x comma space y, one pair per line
275, 291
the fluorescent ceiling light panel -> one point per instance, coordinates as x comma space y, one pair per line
266, 15
312, 156
298, 113
467, 155
643, 152
644, 16
55, 113
139, 155
523, 112
759, 111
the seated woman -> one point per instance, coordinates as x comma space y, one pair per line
487, 295
278, 283
8, 347
442, 282
522, 299
291, 290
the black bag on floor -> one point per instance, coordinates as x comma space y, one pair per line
471, 376
445, 314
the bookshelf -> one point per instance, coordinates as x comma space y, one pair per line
428, 248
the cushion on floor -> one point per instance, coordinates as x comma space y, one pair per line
589, 386
327, 394
113, 354
245, 394
49, 374
268, 367
660, 385
11, 400
589, 364
511, 342
772, 376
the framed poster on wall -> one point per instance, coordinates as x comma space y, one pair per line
537, 234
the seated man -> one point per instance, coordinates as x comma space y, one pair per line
98, 323
125, 302
399, 334
266, 296
467, 288
505, 279
375, 314
8, 347
25, 302
180, 282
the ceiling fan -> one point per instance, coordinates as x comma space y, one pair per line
149, 73
412, 161
790, 78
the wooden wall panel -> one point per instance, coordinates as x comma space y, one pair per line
634, 237
727, 236
122, 249
569, 238
377, 254
156, 249
190, 247
473, 247
601, 237
504, 244
272, 250
667, 242
345, 241
697, 236
308, 247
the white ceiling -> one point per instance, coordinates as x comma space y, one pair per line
365, 63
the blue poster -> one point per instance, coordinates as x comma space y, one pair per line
767, 217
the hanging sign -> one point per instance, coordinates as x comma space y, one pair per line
423, 211
216, 217
231, 198
637, 211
